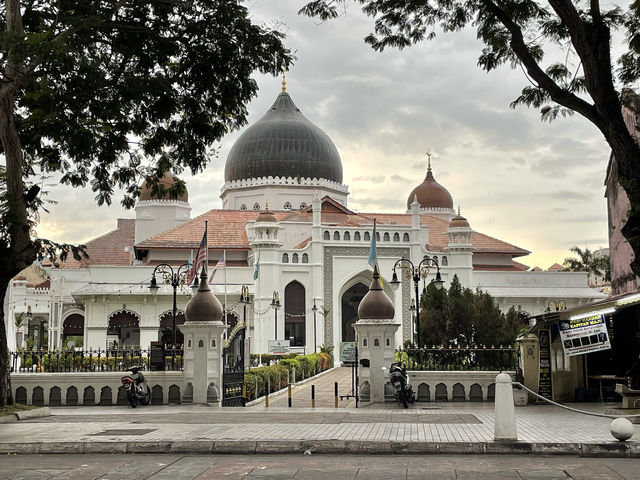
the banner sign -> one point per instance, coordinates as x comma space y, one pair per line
585, 335
348, 352
544, 379
279, 347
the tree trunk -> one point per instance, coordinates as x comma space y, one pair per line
5, 394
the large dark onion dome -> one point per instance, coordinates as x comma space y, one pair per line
283, 143
167, 181
430, 194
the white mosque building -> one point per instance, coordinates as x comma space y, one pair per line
284, 205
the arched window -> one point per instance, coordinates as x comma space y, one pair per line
243, 207
303, 206
294, 314
367, 237
287, 206
396, 237
285, 258
405, 237
124, 328
327, 235
256, 206
386, 237
445, 261
346, 236
377, 236
336, 235
305, 258
356, 237
435, 258
294, 258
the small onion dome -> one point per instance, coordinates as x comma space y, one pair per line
431, 194
167, 181
459, 221
266, 216
376, 304
204, 306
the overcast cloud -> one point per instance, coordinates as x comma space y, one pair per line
533, 184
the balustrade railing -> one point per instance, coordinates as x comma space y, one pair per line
460, 358
44, 361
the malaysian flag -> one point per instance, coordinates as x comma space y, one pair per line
201, 257
220, 264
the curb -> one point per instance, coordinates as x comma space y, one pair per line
351, 447
25, 415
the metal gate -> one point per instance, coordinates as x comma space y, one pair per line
233, 372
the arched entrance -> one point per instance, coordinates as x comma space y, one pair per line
123, 330
350, 302
73, 326
166, 328
294, 314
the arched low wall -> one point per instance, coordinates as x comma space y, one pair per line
474, 386
72, 386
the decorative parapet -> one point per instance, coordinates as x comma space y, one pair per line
277, 181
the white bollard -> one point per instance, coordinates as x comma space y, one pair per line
505, 412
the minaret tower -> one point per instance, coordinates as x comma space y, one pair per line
460, 249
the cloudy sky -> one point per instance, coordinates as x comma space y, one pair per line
533, 184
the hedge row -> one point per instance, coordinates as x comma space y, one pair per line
305, 366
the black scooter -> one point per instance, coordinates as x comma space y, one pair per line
136, 388
400, 380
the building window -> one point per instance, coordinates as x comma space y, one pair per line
356, 237
386, 237
256, 206
435, 258
294, 258
243, 207
327, 235
305, 258
303, 206
336, 235
396, 237
445, 261
285, 258
377, 236
367, 237
346, 236
405, 237
287, 206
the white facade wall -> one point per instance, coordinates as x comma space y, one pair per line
157, 216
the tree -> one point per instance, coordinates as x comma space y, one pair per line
588, 262
519, 33
114, 94
465, 318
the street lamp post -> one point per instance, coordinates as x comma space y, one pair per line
557, 304
314, 309
412, 309
275, 304
174, 278
29, 317
417, 272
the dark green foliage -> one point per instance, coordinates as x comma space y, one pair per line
588, 262
465, 318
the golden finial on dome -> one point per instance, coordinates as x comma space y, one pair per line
428, 160
266, 204
284, 80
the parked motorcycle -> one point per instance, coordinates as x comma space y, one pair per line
136, 388
400, 380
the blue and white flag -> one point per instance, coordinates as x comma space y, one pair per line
256, 269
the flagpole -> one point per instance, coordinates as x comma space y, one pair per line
226, 313
206, 246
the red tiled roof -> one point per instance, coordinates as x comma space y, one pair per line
108, 249
227, 229
556, 267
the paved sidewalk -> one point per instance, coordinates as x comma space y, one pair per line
427, 428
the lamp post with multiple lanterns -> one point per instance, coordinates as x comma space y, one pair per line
175, 278
275, 304
417, 272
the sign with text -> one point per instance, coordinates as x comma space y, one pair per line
279, 347
348, 352
544, 379
585, 335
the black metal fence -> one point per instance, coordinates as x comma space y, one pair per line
460, 358
90, 360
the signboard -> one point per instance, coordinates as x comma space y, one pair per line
156, 362
544, 379
585, 335
348, 352
279, 347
